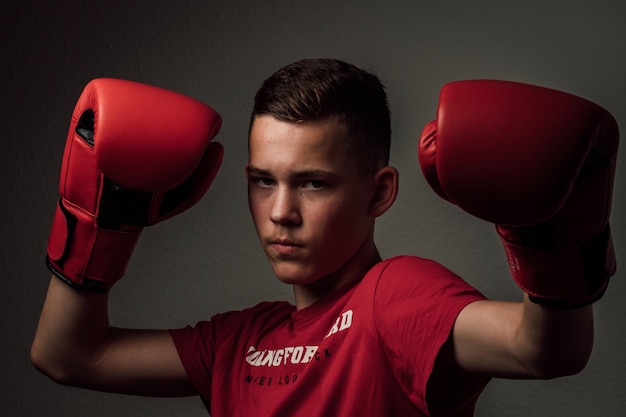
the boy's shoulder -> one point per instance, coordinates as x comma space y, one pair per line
408, 276
410, 267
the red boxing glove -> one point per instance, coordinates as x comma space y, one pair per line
135, 155
538, 163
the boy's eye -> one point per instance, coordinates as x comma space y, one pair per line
314, 184
263, 182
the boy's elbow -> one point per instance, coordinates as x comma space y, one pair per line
561, 344
560, 365
42, 363
56, 370
553, 372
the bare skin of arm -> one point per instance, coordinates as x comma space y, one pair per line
75, 345
521, 339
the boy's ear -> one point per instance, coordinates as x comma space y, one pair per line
385, 191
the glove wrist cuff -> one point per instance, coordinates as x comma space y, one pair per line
84, 255
564, 277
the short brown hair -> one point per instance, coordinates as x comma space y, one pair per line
319, 89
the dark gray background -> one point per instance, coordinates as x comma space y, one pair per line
208, 260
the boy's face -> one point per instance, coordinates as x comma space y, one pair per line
308, 199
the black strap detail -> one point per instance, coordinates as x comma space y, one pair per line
596, 277
87, 284
119, 205
71, 221
174, 197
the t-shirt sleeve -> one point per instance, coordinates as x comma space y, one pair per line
201, 346
196, 347
415, 306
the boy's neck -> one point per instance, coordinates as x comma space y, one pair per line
353, 270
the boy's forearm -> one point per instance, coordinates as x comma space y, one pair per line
71, 331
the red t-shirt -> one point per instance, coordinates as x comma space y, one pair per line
368, 350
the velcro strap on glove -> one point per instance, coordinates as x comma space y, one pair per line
578, 274
84, 255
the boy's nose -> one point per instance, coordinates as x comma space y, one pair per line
285, 209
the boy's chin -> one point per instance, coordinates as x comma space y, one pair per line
291, 279
288, 274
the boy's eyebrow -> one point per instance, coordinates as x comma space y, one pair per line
252, 170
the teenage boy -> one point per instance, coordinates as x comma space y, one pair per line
365, 336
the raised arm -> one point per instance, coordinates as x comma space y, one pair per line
135, 155
521, 340
75, 345
539, 164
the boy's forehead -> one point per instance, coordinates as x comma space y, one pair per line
269, 130
311, 145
